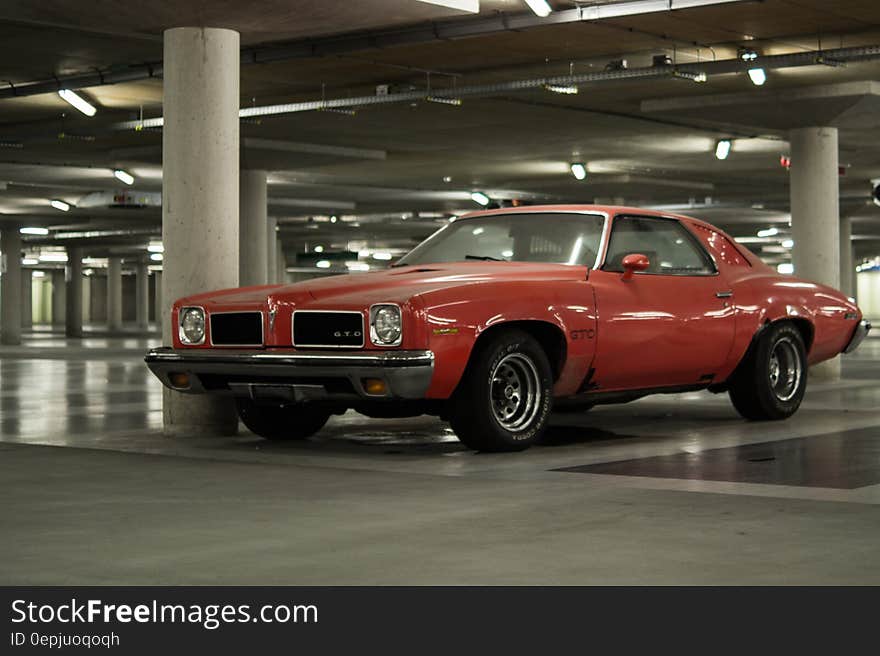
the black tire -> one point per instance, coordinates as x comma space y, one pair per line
281, 422
479, 408
761, 390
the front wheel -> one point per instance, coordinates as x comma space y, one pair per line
281, 422
771, 382
505, 397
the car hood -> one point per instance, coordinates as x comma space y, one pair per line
396, 285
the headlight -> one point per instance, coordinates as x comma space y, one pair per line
385, 325
191, 327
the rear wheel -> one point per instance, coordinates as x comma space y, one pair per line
771, 382
505, 396
281, 422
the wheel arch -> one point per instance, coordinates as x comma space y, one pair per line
549, 335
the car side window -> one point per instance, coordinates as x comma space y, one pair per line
669, 247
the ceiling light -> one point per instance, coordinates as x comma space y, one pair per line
29, 261
722, 149
38, 274
757, 76
380, 255
473, 6
785, 267
156, 247
59, 205
443, 100
769, 232
157, 257
788, 243
357, 266
124, 176
568, 89
77, 101
333, 219
323, 264
540, 7
480, 198
747, 55
693, 77
319, 249
53, 257
578, 170
34, 231
447, 179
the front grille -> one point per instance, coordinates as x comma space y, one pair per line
328, 329
237, 329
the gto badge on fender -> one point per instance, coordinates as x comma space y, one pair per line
586, 333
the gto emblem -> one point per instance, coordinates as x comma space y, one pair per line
586, 333
347, 333
272, 314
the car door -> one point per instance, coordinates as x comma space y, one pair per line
670, 325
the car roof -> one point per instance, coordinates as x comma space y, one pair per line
610, 210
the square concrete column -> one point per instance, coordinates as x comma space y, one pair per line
59, 295
114, 294
847, 265
10, 284
200, 195
142, 296
815, 215
253, 229
27, 299
74, 295
281, 262
272, 250
157, 301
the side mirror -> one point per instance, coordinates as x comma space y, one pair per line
634, 262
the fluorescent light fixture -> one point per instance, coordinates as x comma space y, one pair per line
53, 257
124, 176
578, 170
381, 255
540, 7
156, 247
157, 257
785, 267
568, 89
443, 100
59, 205
757, 76
357, 266
77, 101
38, 274
319, 249
788, 243
34, 231
29, 261
480, 198
722, 149
507, 253
323, 264
769, 232
472, 6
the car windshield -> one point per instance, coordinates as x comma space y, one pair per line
561, 238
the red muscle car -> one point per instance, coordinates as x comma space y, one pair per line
502, 315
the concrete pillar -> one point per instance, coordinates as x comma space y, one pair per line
847, 266
10, 285
281, 262
157, 301
74, 274
142, 296
253, 229
114, 293
272, 250
59, 304
27, 299
200, 229
815, 215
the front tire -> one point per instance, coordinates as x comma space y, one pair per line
505, 396
281, 422
770, 383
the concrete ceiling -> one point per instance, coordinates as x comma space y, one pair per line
648, 142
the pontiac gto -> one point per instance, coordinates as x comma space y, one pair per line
502, 315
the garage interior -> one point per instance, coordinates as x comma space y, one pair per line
343, 134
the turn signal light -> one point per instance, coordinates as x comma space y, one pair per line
179, 380
374, 386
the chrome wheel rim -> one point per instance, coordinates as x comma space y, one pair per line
785, 369
515, 392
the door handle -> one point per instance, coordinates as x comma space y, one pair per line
723, 294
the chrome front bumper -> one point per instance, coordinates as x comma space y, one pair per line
861, 331
294, 376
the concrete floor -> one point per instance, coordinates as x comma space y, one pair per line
94, 494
